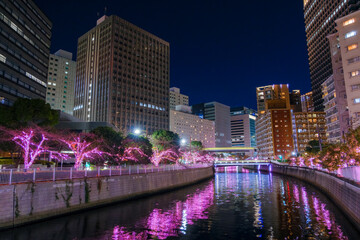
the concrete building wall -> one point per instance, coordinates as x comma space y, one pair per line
176, 98
349, 39
25, 203
336, 133
61, 81
193, 128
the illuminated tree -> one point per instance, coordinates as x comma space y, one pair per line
165, 155
84, 146
31, 141
131, 154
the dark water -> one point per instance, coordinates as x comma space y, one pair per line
230, 206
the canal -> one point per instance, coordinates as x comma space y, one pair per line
237, 205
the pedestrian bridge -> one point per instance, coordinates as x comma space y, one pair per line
224, 163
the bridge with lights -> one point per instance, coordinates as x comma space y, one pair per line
246, 162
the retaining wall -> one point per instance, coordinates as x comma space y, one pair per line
345, 194
25, 203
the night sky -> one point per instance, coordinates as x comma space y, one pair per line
220, 50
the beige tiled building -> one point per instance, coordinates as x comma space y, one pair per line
349, 40
308, 126
192, 128
123, 77
176, 98
61, 80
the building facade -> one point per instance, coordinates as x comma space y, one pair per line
176, 98
273, 125
192, 128
320, 19
123, 77
307, 104
242, 121
61, 80
220, 114
25, 34
309, 126
349, 40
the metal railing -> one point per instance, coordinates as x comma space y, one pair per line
221, 162
13, 176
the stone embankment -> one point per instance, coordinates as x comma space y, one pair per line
29, 202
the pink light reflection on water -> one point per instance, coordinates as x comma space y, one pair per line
163, 224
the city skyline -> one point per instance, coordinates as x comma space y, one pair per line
205, 31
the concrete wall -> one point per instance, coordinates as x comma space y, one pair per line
25, 203
345, 194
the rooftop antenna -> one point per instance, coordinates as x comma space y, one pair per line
105, 9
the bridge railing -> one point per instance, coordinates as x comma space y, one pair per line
242, 161
12, 176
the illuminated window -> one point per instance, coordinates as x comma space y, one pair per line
357, 100
352, 47
350, 34
354, 73
348, 22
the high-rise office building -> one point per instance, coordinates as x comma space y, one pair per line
243, 127
191, 127
348, 29
61, 80
176, 98
220, 114
25, 34
320, 19
123, 76
307, 104
273, 125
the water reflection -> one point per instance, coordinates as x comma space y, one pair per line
236, 204
162, 224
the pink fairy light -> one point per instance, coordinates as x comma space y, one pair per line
82, 149
27, 140
131, 153
159, 156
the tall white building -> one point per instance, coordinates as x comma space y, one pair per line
176, 98
61, 80
191, 127
349, 39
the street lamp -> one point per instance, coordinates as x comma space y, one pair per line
183, 142
137, 131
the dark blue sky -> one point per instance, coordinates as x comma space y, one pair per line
220, 50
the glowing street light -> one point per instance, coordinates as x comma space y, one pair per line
137, 131
183, 142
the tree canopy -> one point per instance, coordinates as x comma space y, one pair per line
27, 112
163, 139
